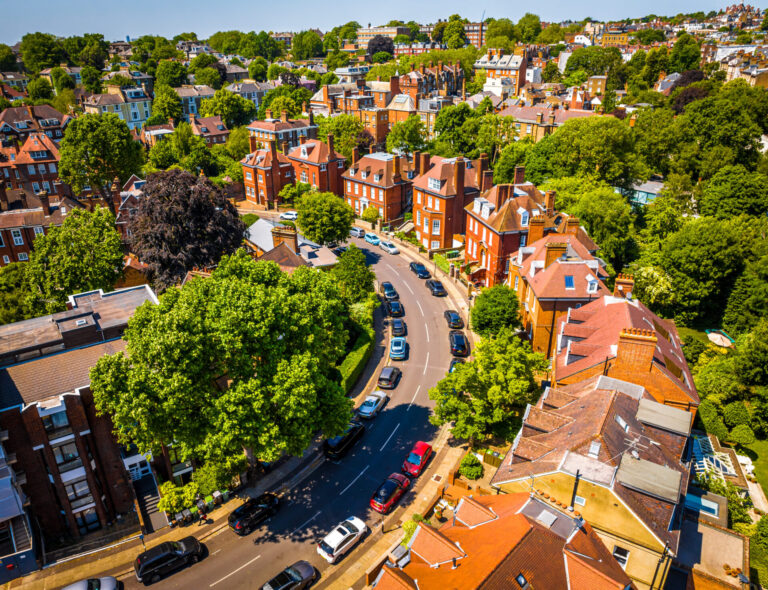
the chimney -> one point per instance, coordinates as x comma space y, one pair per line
23, 199
549, 202
273, 149
3, 198
623, 286
355, 155
635, 349
302, 140
486, 181
551, 119
536, 231
458, 179
330, 147
539, 117
396, 168
45, 202
252, 143
554, 251
311, 117
572, 226
481, 165
287, 235
416, 162
424, 163
284, 116
268, 114
519, 175
284, 147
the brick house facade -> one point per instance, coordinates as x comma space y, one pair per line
282, 130
265, 173
378, 180
318, 164
33, 167
17, 123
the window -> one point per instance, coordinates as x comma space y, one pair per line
2, 241
524, 218
520, 579
6, 259
594, 449
39, 230
87, 520
67, 457
569, 282
381, 212
23, 256
36, 187
418, 198
418, 218
41, 168
579, 501
46, 187
18, 240
429, 202
56, 425
248, 176
357, 189
365, 191
523, 240
78, 493
303, 176
592, 287
622, 423
341, 163
31, 169
517, 282
621, 555
381, 194
436, 227
426, 224
435, 244
434, 184
349, 187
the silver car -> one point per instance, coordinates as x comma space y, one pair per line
106, 583
372, 405
389, 248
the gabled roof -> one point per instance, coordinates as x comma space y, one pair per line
279, 125
402, 102
529, 114
263, 159
208, 126
317, 152
514, 199
378, 165
443, 169
286, 259
31, 118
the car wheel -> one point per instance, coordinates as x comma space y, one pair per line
194, 559
247, 531
154, 579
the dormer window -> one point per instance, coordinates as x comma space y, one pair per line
351, 171
220, 127
524, 216
364, 175
591, 286
570, 284
303, 151
376, 177
434, 184
204, 129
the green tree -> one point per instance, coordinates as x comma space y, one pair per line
274, 71
337, 59
61, 80
292, 193
280, 385
39, 89
95, 150
751, 362
348, 133
742, 435
407, 136
439, 31
371, 214
324, 217
233, 108
492, 134
40, 51
512, 155
287, 104
7, 59
501, 28
91, 78
454, 36
551, 35
489, 394
306, 44
202, 61
685, 54
528, 28
257, 69
381, 57
208, 77
171, 73
167, 104
748, 302
451, 131
238, 143
551, 73
495, 309
734, 190
353, 277
13, 294
83, 254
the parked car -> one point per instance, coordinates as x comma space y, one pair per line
338, 446
455, 363
398, 349
395, 309
106, 583
389, 248
339, 250
372, 405
253, 512
372, 239
341, 539
289, 215
459, 343
417, 459
436, 288
356, 232
153, 564
388, 290
419, 270
298, 576
398, 327
389, 492
454, 319
389, 377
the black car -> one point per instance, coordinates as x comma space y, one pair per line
301, 574
454, 319
436, 288
459, 343
340, 250
245, 518
389, 377
419, 270
337, 447
153, 564
455, 363
389, 291
398, 327
395, 309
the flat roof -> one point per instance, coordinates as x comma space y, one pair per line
665, 417
650, 478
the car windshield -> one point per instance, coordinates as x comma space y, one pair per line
385, 491
414, 459
295, 575
346, 529
94, 584
326, 547
281, 580
368, 404
453, 316
420, 267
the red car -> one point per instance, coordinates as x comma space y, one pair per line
390, 492
417, 459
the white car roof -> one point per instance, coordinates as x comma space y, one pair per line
337, 535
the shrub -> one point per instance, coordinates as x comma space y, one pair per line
176, 498
471, 467
736, 413
742, 435
218, 475
761, 533
371, 214
441, 262
250, 218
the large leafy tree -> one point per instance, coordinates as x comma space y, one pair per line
241, 361
324, 217
183, 222
381, 43
489, 394
734, 190
528, 28
454, 36
40, 89
233, 108
13, 293
82, 254
40, 51
348, 133
7, 58
167, 104
306, 44
96, 150
171, 73
748, 302
257, 69
495, 309
449, 128
61, 79
91, 78
353, 277
407, 136
685, 54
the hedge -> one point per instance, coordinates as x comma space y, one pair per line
353, 364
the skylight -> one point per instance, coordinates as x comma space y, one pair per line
594, 448
569, 282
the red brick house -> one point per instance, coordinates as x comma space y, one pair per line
378, 180
33, 167
319, 165
497, 225
282, 130
17, 123
265, 173
441, 190
441, 80
211, 129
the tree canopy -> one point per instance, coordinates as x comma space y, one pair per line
353, 277
407, 136
171, 73
348, 133
495, 309
306, 44
324, 217
233, 108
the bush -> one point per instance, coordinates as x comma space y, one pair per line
742, 435
371, 214
175, 498
218, 474
353, 364
441, 263
249, 219
471, 467
735, 414
761, 533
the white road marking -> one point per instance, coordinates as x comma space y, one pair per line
354, 480
389, 266
215, 552
420, 309
234, 572
407, 287
303, 524
414, 398
427, 330
426, 364
390, 437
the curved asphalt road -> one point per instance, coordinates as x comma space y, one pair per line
337, 490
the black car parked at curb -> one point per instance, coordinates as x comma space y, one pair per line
395, 309
338, 446
389, 377
419, 270
459, 343
389, 291
398, 327
298, 576
153, 564
254, 511
436, 288
454, 319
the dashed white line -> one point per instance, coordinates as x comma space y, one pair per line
385, 442
234, 572
302, 525
409, 288
426, 364
215, 552
351, 483
389, 266
420, 309
414, 398
427, 330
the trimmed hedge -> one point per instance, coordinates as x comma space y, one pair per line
353, 364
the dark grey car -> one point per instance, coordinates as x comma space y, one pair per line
301, 574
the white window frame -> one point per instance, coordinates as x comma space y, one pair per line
435, 227
18, 238
623, 556
23, 257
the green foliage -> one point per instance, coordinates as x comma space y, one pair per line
306, 44
7, 59
298, 94
257, 69
407, 136
381, 57
742, 435
471, 467
171, 73
174, 499
39, 89
167, 104
489, 394
734, 190
751, 363
348, 133
649, 36
183, 149
287, 104
748, 301
61, 80
324, 217
200, 62
208, 77
551, 73
511, 156
738, 506
371, 214
120, 80
495, 310
13, 305
248, 45
594, 60
761, 533
692, 349
528, 28
91, 78
233, 108
291, 193
685, 54
735, 414
337, 59
249, 219
454, 36
40, 51
353, 277
83, 254
218, 475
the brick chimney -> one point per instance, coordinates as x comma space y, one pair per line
549, 202
554, 251
273, 149
572, 226
539, 117
284, 116
355, 155
519, 175
330, 147
486, 181
23, 199
311, 117
623, 286
481, 165
535, 229
3, 197
416, 162
45, 202
396, 168
191, 118
458, 179
424, 166
284, 147
634, 352
252, 142
287, 235
267, 114
302, 140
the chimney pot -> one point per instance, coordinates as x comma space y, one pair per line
284, 116
45, 202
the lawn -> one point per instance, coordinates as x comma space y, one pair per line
760, 448
698, 334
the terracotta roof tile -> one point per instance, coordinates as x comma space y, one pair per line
472, 513
434, 547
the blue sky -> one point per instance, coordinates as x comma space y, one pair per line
116, 19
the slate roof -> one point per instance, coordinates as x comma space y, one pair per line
528, 114
443, 169
378, 164
32, 116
